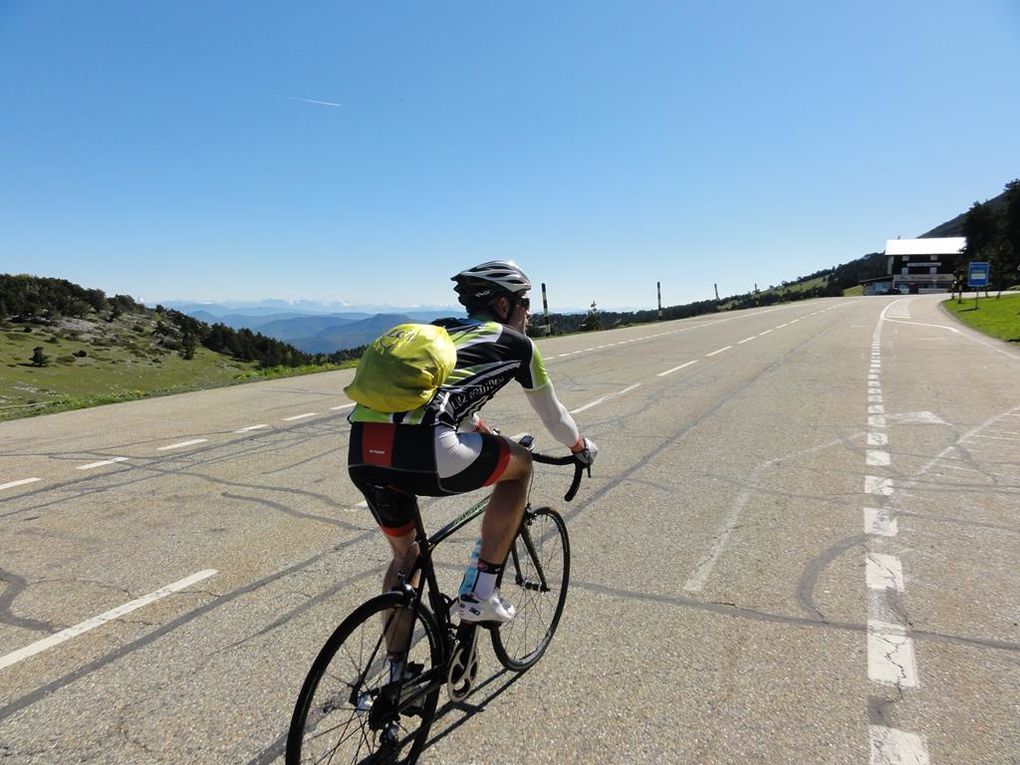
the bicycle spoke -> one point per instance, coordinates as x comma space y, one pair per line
536, 584
344, 715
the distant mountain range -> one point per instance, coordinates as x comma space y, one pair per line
317, 327
308, 330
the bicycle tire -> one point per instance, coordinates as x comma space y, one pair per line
343, 684
535, 579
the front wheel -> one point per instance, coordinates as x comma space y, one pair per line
353, 707
535, 580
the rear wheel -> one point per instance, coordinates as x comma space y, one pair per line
535, 580
349, 710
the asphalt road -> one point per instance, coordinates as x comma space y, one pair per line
800, 544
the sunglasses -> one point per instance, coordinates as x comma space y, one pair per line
525, 303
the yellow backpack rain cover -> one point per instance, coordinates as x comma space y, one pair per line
402, 369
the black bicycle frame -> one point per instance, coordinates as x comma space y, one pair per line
425, 683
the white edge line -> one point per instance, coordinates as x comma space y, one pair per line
676, 368
102, 462
182, 444
22, 482
115, 613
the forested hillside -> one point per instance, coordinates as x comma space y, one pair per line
31, 300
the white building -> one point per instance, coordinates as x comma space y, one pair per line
924, 265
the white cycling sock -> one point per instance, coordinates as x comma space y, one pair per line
484, 585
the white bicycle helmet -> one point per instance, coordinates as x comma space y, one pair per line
490, 279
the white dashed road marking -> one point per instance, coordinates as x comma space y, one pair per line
97, 621
250, 428
299, 416
879, 522
22, 482
884, 572
896, 747
891, 659
891, 655
598, 401
101, 463
182, 444
676, 369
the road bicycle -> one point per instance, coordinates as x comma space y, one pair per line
359, 706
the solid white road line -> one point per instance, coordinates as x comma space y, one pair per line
676, 369
97, 621
299, 416
598, 401
22, 482
251, 427
102, 462
182, 444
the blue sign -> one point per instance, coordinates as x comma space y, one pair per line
977, 273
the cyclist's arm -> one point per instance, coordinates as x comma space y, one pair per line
554, 415
539, 390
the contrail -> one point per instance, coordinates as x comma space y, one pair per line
313, 101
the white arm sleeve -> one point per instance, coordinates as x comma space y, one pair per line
555, 416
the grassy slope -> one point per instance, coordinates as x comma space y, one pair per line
998, 317
123, 362
792, 287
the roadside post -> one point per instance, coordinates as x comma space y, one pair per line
545, 309
977, 277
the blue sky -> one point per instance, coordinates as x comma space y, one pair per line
174, 150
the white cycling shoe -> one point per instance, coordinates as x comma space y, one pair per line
490, 609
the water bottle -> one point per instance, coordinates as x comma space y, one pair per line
471, 572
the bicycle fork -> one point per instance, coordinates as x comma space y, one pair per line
464, 664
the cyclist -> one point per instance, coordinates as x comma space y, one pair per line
444, 448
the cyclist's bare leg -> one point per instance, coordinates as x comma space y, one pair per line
405, 550
502, 517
